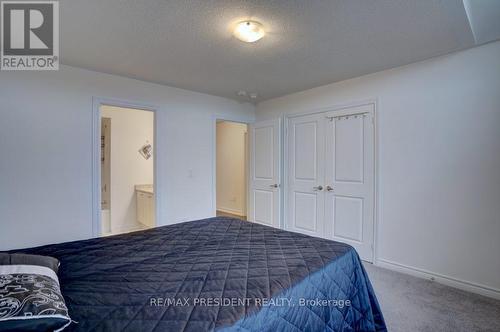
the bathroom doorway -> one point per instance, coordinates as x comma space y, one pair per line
126, 169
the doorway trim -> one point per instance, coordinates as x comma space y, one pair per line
230, 118
97, 102
338, 108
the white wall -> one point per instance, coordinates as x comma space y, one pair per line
130, 130
438, 161
231, 177
46, 151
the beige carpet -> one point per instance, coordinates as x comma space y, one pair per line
413, 304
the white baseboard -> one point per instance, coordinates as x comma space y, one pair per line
442, 279
231, 211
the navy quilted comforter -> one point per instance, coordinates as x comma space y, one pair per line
215, 274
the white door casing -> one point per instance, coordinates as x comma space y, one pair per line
264, 182
305, 208
349, 178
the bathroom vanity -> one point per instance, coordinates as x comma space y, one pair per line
145, 199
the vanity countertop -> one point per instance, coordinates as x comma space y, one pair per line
145, 188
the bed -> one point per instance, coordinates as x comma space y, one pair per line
214, 274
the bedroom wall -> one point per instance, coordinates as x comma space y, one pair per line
46, 145
130, 130
231, 176
438, 162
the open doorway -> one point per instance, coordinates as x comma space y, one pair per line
231, 169
127, 169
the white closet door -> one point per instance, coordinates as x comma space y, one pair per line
305, 198
264, 200
349, 195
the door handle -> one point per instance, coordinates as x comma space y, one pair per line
329, 188
274, 185
318, 188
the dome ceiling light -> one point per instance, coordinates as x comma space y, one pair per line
249, 31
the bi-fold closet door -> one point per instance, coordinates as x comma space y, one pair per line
330, 176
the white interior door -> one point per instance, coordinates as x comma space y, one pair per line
349, 178
305, 197
264, 200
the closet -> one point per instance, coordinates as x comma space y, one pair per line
330, 176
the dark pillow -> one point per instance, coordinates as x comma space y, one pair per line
25, 259
30, 299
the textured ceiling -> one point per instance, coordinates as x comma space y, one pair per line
188, 43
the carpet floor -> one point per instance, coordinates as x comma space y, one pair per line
413, 304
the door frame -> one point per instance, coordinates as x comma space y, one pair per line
97, 102
237, 119
338, 108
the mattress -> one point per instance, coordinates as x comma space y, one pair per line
214, 274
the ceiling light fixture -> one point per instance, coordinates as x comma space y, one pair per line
249, 31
